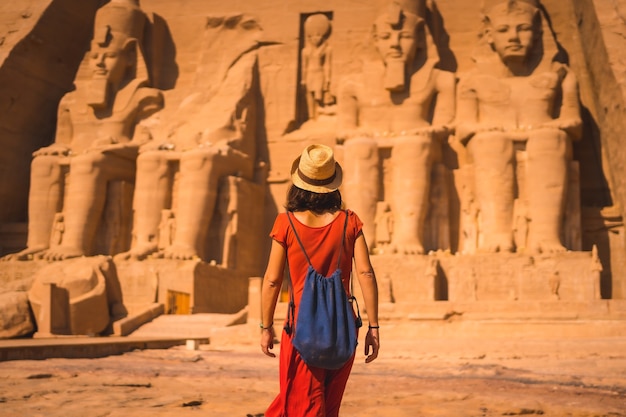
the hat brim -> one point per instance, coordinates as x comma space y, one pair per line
320, 189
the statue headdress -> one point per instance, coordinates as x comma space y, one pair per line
121, 21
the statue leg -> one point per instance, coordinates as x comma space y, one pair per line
44, 200
85, 199
361, 182
411, 161
153, 194
493, 155
200, 172
549, 152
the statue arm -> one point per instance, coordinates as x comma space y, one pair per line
571, 121
327, 67
568, 118
347, 111
145, 102
305, 65
445, 104
148, 102
466, 112
64, 131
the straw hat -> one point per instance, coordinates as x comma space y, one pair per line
316, 170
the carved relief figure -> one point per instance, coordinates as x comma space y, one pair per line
390, 105
94, 141
519, 95
316, 63
212, 135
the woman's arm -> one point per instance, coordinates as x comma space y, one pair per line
367, 280
272, 282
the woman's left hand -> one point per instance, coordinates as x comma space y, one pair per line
371, 341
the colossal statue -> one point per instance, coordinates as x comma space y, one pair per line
95, 142
390, 106
212, 135
316, 63
520, 96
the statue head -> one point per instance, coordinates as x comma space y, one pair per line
513, 30
316, 29
116, 53
397, 34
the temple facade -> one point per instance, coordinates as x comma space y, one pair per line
147, 148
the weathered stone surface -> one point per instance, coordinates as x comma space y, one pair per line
80, 296
15, 315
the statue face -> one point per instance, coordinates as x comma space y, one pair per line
511, 34
109, 62
314, 37
395, 42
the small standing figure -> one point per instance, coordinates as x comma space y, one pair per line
316, 63
384, 227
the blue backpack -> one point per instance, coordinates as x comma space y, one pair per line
325, 333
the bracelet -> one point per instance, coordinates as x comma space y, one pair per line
374, 327
266, 328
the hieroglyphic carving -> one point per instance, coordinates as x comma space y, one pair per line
390, 105
521, 96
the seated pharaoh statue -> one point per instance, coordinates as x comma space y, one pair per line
95, 142
519, 96
390, 105
210, 136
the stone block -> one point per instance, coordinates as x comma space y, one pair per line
77, 296
15, 315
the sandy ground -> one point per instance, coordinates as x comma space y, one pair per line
416, 375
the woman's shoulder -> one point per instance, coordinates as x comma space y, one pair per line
353, 220
281, 223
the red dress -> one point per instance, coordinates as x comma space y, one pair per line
309, 391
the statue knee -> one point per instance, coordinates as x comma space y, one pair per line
548, 141
85, 164
361, 148
491, 146
198, 159
150, 161
44, 166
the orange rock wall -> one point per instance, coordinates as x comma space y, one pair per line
42, 43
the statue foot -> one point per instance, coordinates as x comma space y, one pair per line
496, 245
62, 252
27, 254
548, 246
409, 248
180, 252
138, 253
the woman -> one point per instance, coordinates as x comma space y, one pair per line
314, 205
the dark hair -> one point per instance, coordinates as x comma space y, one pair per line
301, 200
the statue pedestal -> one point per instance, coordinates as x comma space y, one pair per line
183, 287
496, 286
